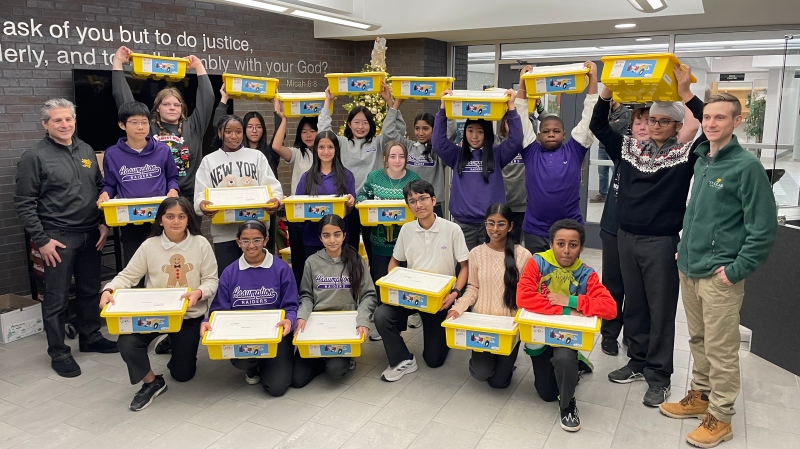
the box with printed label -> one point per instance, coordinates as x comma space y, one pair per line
384, 212
482, 333
415, 289
157, 67
20, 317
145, 310
254, 87
487, 105
642, 78
303, 104
556, 79
125, 211
360, 83
420, 87
244, 335
313, 207
329, 334
238, 204
575, 332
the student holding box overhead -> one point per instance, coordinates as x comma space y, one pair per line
477, 167
557, 282
335, 279
429, 244
260, 281
176, 255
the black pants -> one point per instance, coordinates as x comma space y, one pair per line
494, 369
226, 253
378, 267
307, 369
183, 362
354, 231
516, 233
273, 227
555, 373
474, 233
276, 373
612, 279
298, 251
391, 320
650, 274
131, 238
80, 259
536, 243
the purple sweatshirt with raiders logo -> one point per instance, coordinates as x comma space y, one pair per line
128, 173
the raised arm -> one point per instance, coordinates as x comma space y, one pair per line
581, 133
120, 89
447, 150
280, 132
521, 104
222, 107
324, 121
598, 125
204, 104
512, 146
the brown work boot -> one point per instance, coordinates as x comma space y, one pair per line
691, 406
710, 433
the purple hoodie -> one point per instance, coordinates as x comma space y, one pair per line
132, 174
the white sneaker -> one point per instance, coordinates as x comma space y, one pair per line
374, 335
251, 376
394, 373
414, 321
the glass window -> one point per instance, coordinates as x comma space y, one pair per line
584, 49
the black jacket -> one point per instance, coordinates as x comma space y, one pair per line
57, 188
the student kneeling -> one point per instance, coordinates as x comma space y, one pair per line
557, 282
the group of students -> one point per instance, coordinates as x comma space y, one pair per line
495, 274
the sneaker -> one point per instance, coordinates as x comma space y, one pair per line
597, 199
394, 373
569, 418
655, 396
710, 432
103, 346
251, 376
414, 321
694, 405
67, 367
624, 375
148, 392
585, 366
163, 345
352, 364
610, 346
374, 335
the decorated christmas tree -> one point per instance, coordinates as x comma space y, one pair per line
373, 102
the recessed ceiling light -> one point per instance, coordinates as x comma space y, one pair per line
643, 39
336, 20
625, 25
259, 5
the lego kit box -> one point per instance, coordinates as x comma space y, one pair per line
20, 317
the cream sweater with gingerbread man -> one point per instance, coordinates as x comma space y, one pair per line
164, 264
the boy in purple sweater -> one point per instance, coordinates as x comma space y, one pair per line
137, 167
553, 166
260, 281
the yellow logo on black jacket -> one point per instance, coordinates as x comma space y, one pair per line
87, 163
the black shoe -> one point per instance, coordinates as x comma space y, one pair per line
569, 418
164, 345
67, 367
148, 392
103, 346
624, 375
610, 346
655, 396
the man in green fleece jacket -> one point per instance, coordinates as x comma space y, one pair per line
728, 231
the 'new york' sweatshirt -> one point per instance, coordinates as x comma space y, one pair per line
128, 173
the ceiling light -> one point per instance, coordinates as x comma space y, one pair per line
259, 5
624, 25
648, 6
643, 39
336, 20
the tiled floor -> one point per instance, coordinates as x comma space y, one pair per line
432, 408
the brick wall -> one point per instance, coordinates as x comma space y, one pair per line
271, 37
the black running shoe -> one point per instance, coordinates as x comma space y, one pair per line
148, 392
569, 418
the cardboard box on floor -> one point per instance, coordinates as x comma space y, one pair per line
23, 321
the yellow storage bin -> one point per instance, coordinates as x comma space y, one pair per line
642, 78
145, 310
238, 204
124, 211
556, 79
286, 255
415, 289
575, 332
313, 208
468, 104
482, 333
238, 86
329, 334
157, 67
355, 83
303, 104
532, 103
243, 334
384, 212
420, 87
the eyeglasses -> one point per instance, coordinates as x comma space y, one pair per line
421, 200
247, 242
139, 124
499, 225
660, 122
254, 127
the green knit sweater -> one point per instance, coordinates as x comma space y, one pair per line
379, 186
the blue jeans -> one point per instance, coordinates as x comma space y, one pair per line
603, 171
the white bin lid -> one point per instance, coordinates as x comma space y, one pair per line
255, 325
235, 196
478, 94
312, 198
329, 326
147, 300
418, 281
548, 69
588, 322
479, 320
130, 201
302, 96
382, 203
